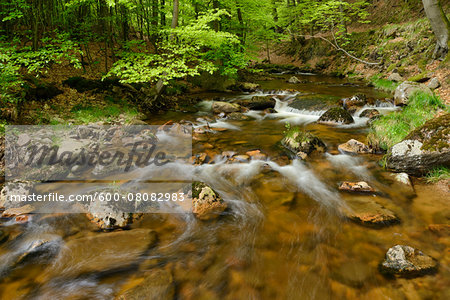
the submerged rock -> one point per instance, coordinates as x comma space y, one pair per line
423, 149
157, 285
3, 236
406, 90
102, 252
17, 211
370, 113
336, 116
369, 213
258, 102
354, 147
225, 107
407, 261
206, 203
359, 187
256, 154
296, 140
246, 86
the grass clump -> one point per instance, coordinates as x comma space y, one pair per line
383, 84
391, 129
438, 174
85, 114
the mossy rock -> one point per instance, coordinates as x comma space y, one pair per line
296, 140
207, 204
336, 116
423, 149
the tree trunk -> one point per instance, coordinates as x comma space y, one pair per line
176, 5
440, 25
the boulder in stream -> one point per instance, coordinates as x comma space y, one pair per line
336, 116
425, 148
258, 102
354, 103
354, 147
237, 116
206, 203
371, 113
225, 107
407, 261
296, 140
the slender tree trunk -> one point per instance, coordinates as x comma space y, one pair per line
440, 26
162, 13
176, 6
155, 11
216, 23
241, 24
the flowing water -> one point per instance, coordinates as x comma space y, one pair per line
283, 235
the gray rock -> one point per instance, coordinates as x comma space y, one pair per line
225, 107
395, 77
423, 149
406, 89
406, 261
23, 140
434, 83
336, 116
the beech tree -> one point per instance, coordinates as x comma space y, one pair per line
440, 25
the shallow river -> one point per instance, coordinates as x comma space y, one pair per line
282, 236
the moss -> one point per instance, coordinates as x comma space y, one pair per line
418, 77
434, 134
296, 140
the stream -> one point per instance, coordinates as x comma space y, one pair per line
283, 235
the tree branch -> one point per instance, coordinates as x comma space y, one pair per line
336, 46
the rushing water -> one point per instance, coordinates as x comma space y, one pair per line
283, 235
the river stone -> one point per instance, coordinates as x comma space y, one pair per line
237, 116
358, 187
354, 147
434, 83
17, 211
354, 103
406, 261
369, 213
157, 285
370, 113
206, 203
336, 116
23, 140
258, 102
225, 107
21, 188
423, 149
406, 89
293, 79
395, 77
102, 252
296, 140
